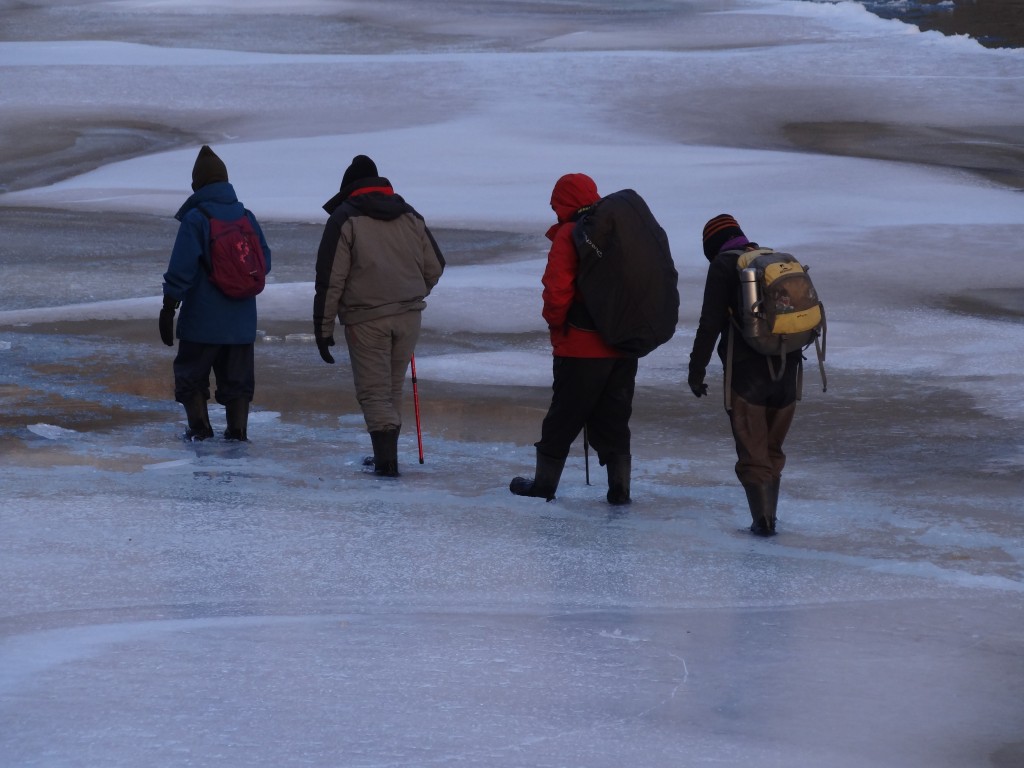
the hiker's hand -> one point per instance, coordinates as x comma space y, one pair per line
697, 385
167, 321
322, 347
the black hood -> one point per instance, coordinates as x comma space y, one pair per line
348, 189
381, 203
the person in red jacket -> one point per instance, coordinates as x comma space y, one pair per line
593, 382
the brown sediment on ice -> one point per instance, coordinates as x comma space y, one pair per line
888, 430
127, 359
996, 303
36, 153
995, 153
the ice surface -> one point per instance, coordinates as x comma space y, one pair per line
270, 604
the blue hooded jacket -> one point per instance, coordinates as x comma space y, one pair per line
207, 315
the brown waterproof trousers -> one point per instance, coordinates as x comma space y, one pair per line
761, 413
759, 432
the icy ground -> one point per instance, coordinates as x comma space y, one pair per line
269, 604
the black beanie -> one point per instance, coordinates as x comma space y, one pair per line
208, 169
718, 231
361, 167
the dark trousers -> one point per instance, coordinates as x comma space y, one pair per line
762, 413
232, 365
592, 392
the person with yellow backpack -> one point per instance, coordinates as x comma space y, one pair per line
762, 309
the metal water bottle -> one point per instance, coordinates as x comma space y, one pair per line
750, 299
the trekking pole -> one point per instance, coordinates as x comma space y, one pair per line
416, 404
586, 454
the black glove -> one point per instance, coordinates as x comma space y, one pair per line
697, 385
167, 320
322, 345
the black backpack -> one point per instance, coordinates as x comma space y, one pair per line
626, 275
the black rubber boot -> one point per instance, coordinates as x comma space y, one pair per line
759, 500
619, 468
385, 452
773, 501
237, 414
198, 418
544, 483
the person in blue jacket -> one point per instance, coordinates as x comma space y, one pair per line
215, 332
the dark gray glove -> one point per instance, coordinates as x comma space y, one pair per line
167, 320
696, 382
322, 347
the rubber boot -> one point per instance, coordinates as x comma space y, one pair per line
619, 468
198, 418
759, 500
773, 501
385, 452
237, 414
371, 461
544, 483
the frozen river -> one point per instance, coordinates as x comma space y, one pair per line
269, 604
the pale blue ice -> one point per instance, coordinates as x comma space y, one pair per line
268, 604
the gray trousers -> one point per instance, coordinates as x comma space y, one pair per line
379, 351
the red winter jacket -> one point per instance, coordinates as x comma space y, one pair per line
572, 192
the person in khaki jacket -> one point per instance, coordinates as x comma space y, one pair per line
376, 264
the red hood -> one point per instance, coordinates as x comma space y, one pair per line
572, 192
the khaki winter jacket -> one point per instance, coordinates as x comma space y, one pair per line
376, 258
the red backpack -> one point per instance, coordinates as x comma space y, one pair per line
237, 264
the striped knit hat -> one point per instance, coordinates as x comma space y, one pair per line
719, 231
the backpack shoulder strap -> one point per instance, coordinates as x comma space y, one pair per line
246, 213
207, 262
748, 256
728, 370
819, 347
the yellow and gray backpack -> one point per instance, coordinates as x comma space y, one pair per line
780, 311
